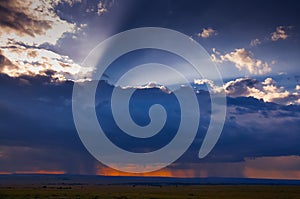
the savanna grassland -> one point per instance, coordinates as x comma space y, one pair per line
150, 192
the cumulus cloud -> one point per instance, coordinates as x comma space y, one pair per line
268, 90
244, 60
240, 87
280, 33
207, 32
70, 2
103, 6
255, 42
24, 27
150, 85
214, 88
204, 81
32, 22
19, 61
215, 56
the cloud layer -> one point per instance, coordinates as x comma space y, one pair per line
19, 61
268, 90
32, 22
24, 27
32, 138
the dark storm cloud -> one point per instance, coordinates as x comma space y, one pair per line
37, 130
31, 22
5, 62
255, 130
37, 125
13, 17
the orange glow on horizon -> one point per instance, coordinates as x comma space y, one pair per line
106, 171
271, 174
277, 167
4, 172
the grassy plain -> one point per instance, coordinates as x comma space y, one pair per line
150, 192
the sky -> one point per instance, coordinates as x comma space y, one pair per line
254, 45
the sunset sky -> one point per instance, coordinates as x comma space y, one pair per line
254, 44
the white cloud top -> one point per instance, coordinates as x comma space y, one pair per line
24, 26
33, 61
280, 33
243, 60
268, 90
207, 32
32, 22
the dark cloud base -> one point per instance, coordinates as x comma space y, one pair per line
37, 129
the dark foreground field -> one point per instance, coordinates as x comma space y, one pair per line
92, 187
152, 192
